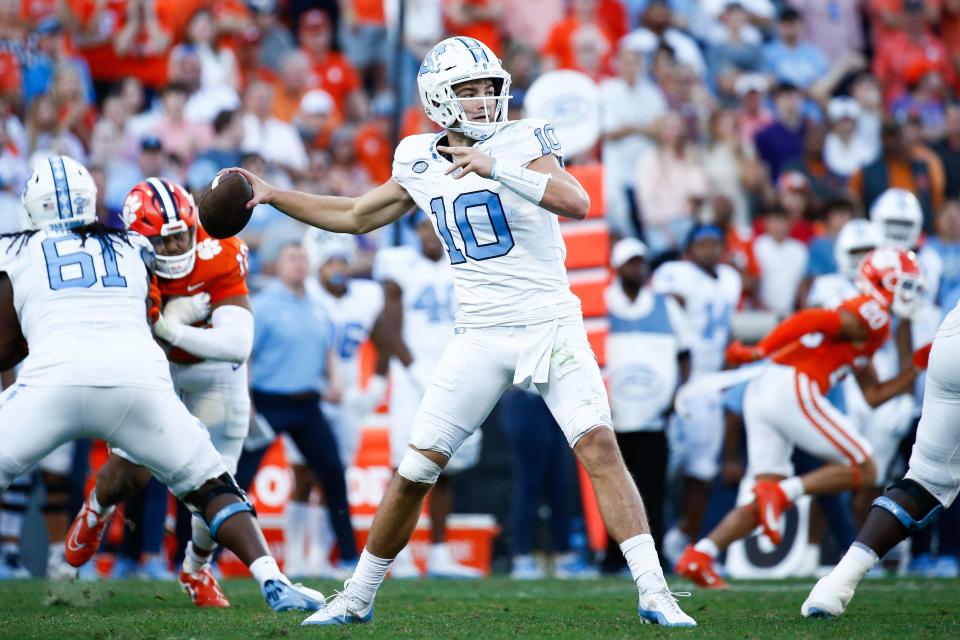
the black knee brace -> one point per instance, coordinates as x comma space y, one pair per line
929, 505
229, 485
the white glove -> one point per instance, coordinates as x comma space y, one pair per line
166, 330
362, 402
187, 309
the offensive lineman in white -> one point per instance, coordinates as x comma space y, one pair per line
419, 311
931, 483
491, 187
79, 293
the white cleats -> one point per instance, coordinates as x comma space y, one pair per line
340, 609
525, 567
440, 564
828, 599
658, 605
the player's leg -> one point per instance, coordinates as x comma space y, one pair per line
156, 429
578, 400
768, 453
931, 483
468, 381
703, 433
217, 395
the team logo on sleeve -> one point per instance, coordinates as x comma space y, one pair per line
420, 166
208, 249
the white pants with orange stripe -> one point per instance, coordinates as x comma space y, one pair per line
783, 408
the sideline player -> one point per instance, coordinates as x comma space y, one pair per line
709, 292
202, 281
931, 483
494, 189
79, 293
419, 309
784, 406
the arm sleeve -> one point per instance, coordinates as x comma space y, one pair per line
825, 321
229, 339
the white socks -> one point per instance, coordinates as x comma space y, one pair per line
708, 547
855, 564
368, 577
265, 568
194, 562
641, 555
792, 487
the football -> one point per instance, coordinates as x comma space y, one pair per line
223, 209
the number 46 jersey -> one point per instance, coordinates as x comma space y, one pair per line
82, 308
507, 253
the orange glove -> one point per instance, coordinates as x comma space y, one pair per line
922, 356
154, 312
739, 353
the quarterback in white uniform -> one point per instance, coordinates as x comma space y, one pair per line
419, 309
494, 190
709, 293
78, 291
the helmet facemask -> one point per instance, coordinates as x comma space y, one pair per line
900, 233
486, 126
176, 249
909, 292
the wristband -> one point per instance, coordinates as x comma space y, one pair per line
527, 183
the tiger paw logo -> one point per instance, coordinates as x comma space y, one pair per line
208, 248
131, 207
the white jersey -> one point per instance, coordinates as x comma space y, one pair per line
507, 253
828, 291
352, 316
709, 303
429, 304
82, 309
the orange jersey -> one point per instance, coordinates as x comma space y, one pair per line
827, 360
220, 270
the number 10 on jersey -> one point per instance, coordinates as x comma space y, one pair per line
492, 207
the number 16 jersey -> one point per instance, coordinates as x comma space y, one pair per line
507, 253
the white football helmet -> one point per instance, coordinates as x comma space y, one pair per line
454, 61
322, 245
60, 194
899, 217
856, 239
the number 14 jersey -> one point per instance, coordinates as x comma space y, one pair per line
507, 253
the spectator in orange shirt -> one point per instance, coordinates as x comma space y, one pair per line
898, 167
295, 79
896, 54
478, 19
333, 71
559, 51
144, 40
373, 140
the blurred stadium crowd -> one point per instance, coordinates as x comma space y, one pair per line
776, 120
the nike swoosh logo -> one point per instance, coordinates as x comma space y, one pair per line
72, 544
193, 287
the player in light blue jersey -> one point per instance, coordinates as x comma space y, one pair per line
494, 190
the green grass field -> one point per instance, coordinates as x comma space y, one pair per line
496, 608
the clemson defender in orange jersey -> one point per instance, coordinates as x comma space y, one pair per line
785, 407
207, 327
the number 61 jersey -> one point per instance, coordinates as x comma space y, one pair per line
507, 253
82, 308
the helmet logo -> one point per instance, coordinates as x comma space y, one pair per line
431, 64
130, 208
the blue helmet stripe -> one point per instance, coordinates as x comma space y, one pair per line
61, 187
479, 47
472, 49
